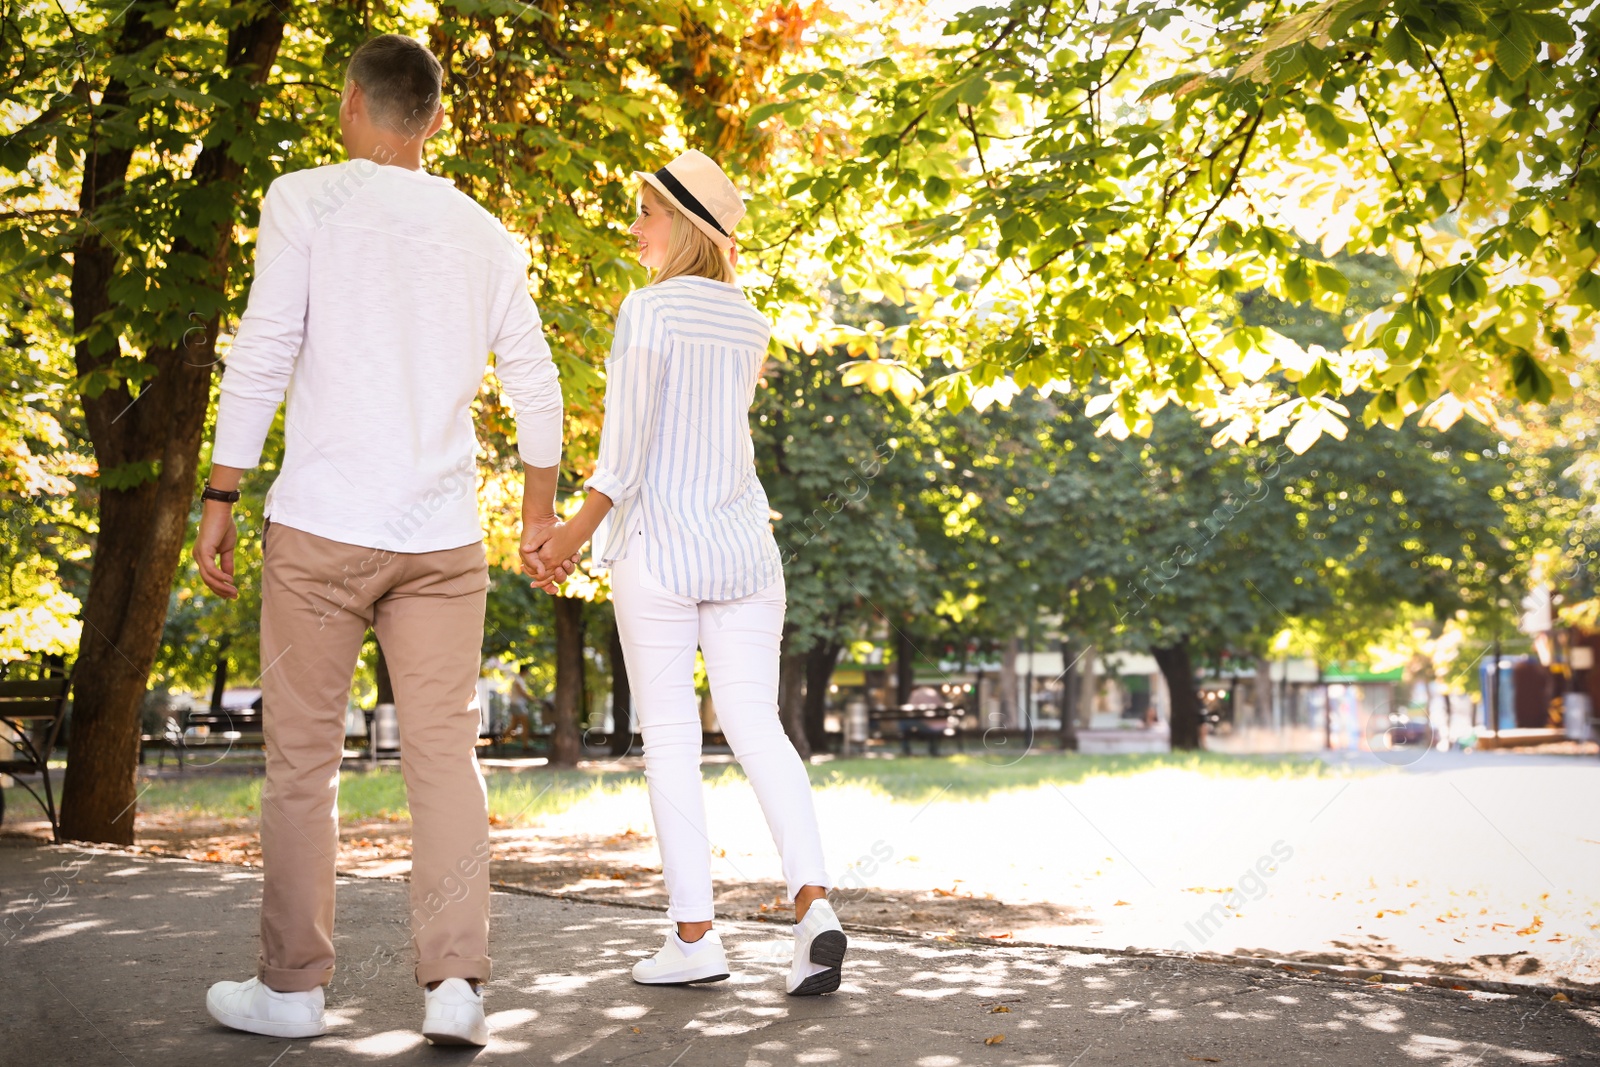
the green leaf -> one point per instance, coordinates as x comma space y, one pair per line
1550, 27
1168, 86
1516, 47
1400, 47
1297, 281
1587, 290
1466, 286
1524, 240
1331, 288
1530, 379
763, 112
1325, 126
1332, 279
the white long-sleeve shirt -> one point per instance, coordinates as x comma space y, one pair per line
675, 450
378, 295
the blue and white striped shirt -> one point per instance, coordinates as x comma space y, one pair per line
675, 449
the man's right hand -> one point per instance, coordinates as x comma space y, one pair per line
536, 530
213, 548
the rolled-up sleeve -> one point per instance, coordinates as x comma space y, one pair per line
526, 370
635, 371
257, 369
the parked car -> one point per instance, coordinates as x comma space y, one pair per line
1403, 731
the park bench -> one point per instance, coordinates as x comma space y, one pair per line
32, 710
169, 741
933, 722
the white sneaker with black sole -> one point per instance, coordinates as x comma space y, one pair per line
683, 962
256, 1009
453, 1014
819, 945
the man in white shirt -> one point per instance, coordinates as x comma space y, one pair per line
379, 292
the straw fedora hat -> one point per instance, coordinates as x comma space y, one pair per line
696, 186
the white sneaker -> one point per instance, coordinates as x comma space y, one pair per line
454, 1014
819, 945
682, 963
252, 1007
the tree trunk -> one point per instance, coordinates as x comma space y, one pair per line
564, 741
791, 690
1179, 673
905, 667
219, 680
384, 684
1069, 697
1264, 714
156, 434
820, 662
1088, 671
1008, 683
621, 699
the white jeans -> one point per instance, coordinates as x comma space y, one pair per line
739, 638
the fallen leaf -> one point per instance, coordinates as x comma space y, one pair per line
1561, 998
1374, 977
998, 936
995, 1040
1122, 904
1002, 1007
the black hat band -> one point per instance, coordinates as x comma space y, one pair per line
687, 199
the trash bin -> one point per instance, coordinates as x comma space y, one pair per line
385, 729
856, 726
1575, 716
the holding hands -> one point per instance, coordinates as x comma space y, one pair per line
550, 549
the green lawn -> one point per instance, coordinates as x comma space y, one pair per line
972, 777
519, 798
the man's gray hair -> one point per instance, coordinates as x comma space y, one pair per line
401, 80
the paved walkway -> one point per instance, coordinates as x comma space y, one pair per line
106, 958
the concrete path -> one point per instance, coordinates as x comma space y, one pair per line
105, 958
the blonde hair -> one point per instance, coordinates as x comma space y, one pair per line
689, 250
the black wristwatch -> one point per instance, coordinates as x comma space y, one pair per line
227, 496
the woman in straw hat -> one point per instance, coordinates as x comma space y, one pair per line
679, 516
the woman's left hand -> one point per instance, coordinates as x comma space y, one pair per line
563, 542
546, 566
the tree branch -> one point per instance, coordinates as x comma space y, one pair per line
1461, 133
59, 211
977, 143
1227, 187
313, 84
1399, 183
1184, 326
1583, 146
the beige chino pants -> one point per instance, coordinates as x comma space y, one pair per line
318, 597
